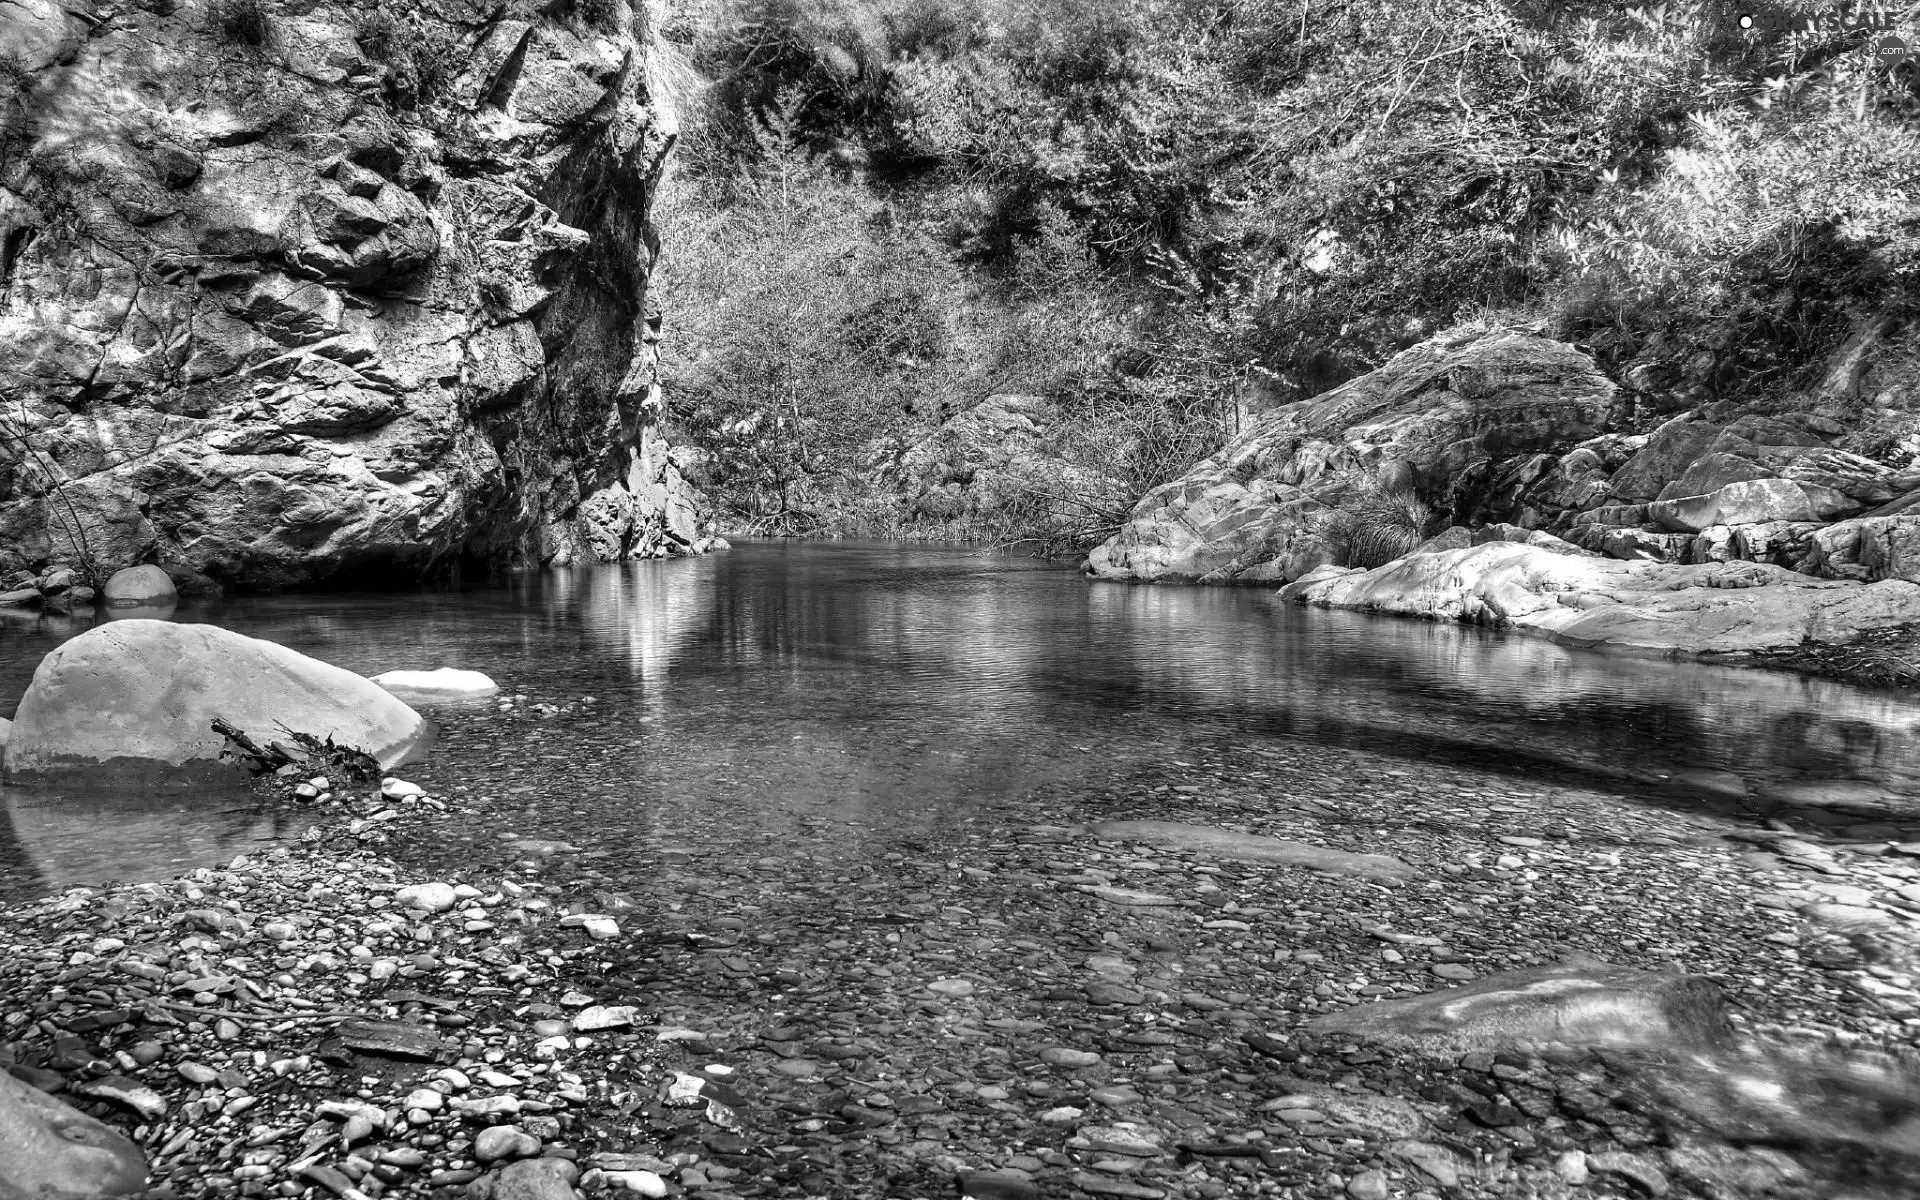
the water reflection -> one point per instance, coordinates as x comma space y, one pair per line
53, 838
877, 682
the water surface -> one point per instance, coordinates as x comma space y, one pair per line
891, 684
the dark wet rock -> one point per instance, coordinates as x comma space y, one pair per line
1581, 1003
392, 1039
1211, 842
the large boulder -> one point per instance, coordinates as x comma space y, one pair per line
1581, 1002
1641, 606
135, 701
52, 1151
1460, 421
368, 297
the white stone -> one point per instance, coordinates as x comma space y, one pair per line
438, 686
644, 1182
399, 789
604, 1016
434, 897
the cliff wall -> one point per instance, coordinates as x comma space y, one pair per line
297, 288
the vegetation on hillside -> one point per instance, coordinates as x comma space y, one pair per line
1163, 215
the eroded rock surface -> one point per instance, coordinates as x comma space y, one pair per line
339, 290
135, 701
1712, 608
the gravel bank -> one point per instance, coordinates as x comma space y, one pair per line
416, 995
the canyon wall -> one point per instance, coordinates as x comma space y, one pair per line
301, 289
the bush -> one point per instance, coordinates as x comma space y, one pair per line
1382, 523
242, 22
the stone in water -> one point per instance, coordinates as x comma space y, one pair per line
1581, 1002
440, 686
1250, 847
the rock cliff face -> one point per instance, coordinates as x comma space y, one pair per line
296, 288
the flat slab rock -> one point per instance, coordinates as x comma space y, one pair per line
1581, 1002
392, 1039
1252, 847
52, 1151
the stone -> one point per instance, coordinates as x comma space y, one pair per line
135, 701
1260, 508
139, 585
392, 788
439, 686
1752, 501
1129, 897
1066, 1056
129, 1094
21, 598
998, 1185
1648, 1178
532, 1178
597, 1017
433, 897
391, 1039
1122, 1137
55, 1152
1629, 607
504, 1141
1369, 1185
1669, 450
1209, 841
647, 1183
1582, 1002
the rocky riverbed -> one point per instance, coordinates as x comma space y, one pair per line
428, 995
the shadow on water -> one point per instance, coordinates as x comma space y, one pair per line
937, 676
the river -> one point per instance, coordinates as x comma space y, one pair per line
893, 685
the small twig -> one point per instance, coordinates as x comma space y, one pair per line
262, 1018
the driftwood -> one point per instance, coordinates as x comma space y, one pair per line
306, 753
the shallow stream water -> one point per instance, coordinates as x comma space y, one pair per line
737, 698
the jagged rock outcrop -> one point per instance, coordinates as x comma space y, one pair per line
288, 290
1506, 435
1452, 420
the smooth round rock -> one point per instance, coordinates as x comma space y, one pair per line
139, 585
504, 1141
133, 702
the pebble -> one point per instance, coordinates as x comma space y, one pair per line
497, 1142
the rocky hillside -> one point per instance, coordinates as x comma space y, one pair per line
291, 291
1493, 432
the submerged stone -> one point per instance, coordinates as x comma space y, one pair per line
444, 684
1583, 1002
1252, 847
